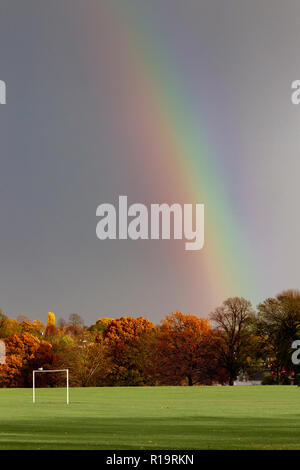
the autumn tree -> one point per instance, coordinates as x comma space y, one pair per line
130, 347
38, 326
25, 352
88, 362
35, 328
185, 350
50, 330
75, 326
8, 326
50, 319
61, 324
21, 318
76, 320
3, 317
233, 322
100, 326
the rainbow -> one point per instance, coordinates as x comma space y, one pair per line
165, 117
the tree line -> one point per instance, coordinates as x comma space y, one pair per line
235, 340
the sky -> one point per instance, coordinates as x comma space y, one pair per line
163, 101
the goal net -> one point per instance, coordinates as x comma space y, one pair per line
42, 371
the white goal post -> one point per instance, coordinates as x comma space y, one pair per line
50, 370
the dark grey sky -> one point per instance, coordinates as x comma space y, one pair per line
65, 149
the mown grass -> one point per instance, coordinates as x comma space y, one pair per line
262, 417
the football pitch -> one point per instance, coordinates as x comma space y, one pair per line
255, 417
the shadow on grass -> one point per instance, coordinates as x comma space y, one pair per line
189, 432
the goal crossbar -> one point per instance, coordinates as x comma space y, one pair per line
40, 371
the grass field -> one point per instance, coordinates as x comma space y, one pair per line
263, 417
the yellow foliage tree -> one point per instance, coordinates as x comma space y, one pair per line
100, 325
51, 319
103, 323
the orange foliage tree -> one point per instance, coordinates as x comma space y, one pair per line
185, 351
129, 342
35, 328
24, 353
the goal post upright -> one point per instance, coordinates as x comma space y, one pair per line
33, 386
49, 370
67, 386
